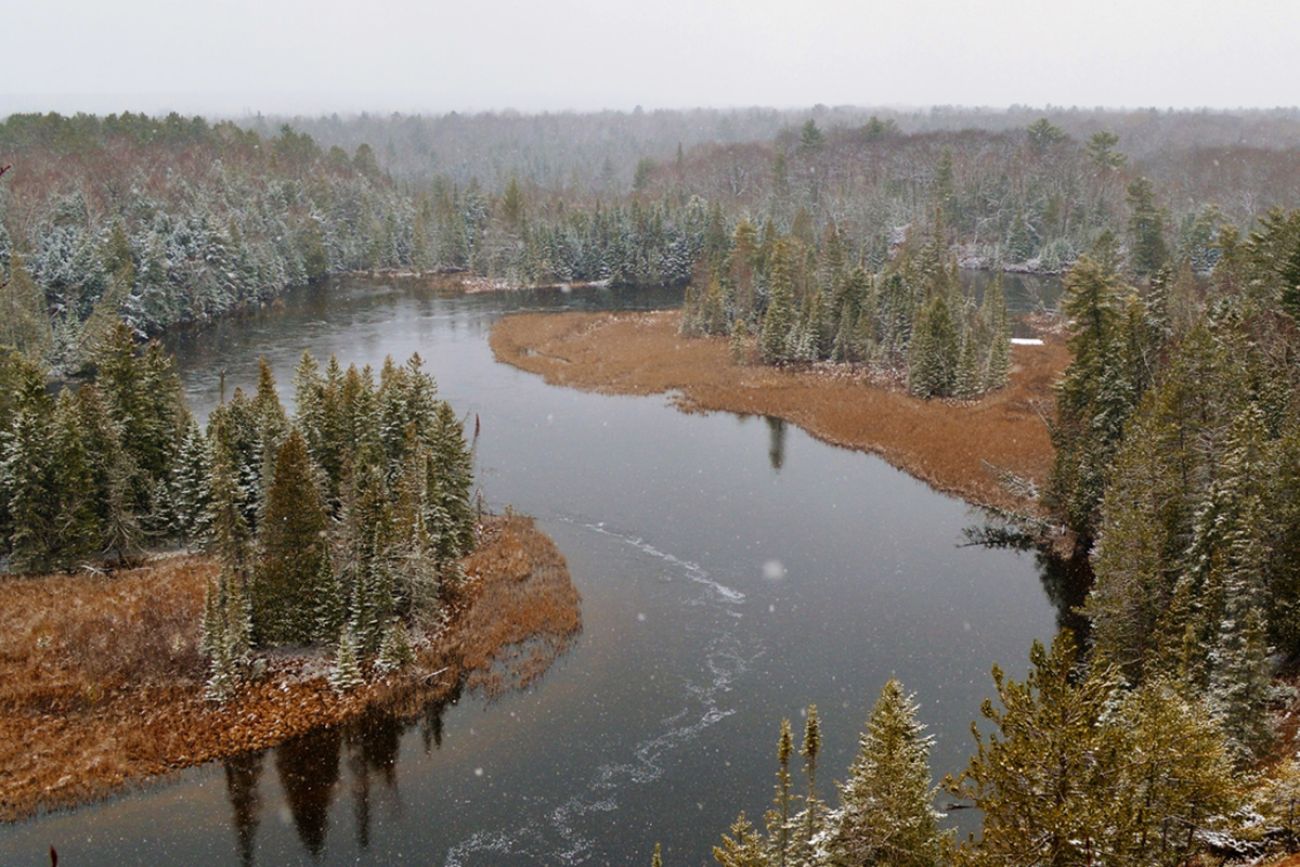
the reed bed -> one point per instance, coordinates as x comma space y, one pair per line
101, 677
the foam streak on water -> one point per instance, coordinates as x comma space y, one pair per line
554, 834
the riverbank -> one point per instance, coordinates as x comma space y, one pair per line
101, 678
462, 281
961, 448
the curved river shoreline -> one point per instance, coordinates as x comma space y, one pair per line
732, 571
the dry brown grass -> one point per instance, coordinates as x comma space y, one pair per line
523, 619
101, 680
947, 444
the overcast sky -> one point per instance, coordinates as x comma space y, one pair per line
233, 56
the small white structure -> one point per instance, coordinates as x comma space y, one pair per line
1026, 341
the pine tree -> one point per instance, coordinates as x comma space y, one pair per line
232, 430
346, 673
743, 848
395, 650
30, 485
813, 808
997, 367
453, 470
739, 343
1289, 275
226, 637
778, 320
223, 677
887, 814
1240, 681
191, 486
24, 318
969, 381
1021, 242
932, 361
1148, 249
1035, 777
1136, 554
292, 541
1079, 769
778, 818
79, 532
1082, 451
368, 546
330, 610
270, 424
228, 533
1172, 767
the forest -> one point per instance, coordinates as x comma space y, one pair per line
340, 526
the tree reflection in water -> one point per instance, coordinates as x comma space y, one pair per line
309, 770
242, 774
776, 442
308, 767
1066, 580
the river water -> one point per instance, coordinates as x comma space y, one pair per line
733, 570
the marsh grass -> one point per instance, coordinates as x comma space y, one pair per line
101, 677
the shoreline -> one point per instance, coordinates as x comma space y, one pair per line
71, 733
955, 447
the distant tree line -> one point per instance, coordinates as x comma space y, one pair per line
159, 221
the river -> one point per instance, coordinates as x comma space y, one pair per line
733, 570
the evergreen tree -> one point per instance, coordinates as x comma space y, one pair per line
969, 380
778, 320
1148, 249
743, 848
1082, 451
395, 650
778, 818
270, 425
933, 359
346, 674
813, 808
1036, 778
292, 542
24, 319
30, 485
226, 637
192, 486
111, 475
1240, 681
887, 814
1290, 283
78, 534
451, 483
228, 532
1078, 771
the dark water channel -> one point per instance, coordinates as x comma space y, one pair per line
732, 569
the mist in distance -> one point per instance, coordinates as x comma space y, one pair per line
298, 57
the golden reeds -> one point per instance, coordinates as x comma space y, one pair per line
101, 678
